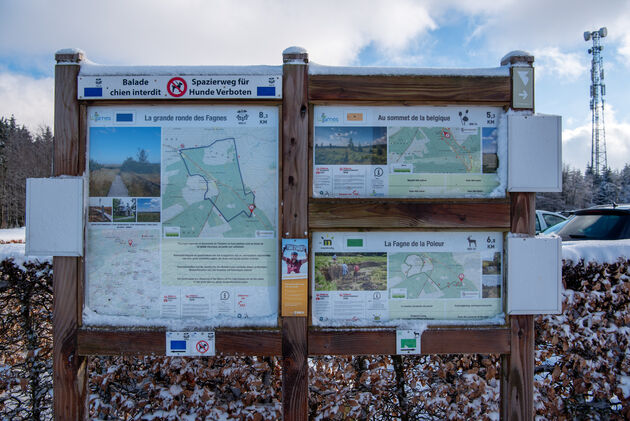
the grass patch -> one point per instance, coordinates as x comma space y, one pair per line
148, 216
101, 181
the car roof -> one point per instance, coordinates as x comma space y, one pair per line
613, 209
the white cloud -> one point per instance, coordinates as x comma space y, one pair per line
210, 32
551, 62
30, 100
576, 142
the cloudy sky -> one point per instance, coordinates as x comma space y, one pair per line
431, 33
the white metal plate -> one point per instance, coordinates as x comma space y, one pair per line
534, 275
534, 153
54, 216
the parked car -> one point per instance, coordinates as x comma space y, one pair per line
546, 219
555, 228
598, 223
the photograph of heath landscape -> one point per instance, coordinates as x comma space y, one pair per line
350, 271
350, 145
148, 209
125, 161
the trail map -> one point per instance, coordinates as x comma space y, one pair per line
436, 149
435, 275
220, 182
183, 213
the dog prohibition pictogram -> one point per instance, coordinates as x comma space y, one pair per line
202, 347
176, 87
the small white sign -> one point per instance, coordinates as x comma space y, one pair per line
408, 342
180, 87
190, 344
523, 87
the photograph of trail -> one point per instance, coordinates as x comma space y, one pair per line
125, 161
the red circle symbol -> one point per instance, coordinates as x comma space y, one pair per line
176, 87
202, 347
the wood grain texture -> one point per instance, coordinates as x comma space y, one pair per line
295, 178
434, 341
69, 368
295, 174
228, 342
69, 379
444, 89
294, 369
336, 214
517, 368
523, 213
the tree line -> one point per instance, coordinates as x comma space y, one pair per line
23, 154
582, 190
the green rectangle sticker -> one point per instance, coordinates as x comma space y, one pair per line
354, 242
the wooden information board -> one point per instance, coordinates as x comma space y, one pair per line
472, 208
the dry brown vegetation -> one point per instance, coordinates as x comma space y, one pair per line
582, 365
101, 181
141, 185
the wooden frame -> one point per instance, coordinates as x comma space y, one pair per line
294, 340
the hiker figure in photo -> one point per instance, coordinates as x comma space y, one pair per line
356, 271
344, 270
293, 263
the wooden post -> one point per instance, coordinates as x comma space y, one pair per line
69, 368
517, 367
295, 223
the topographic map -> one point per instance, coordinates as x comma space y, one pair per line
435, 275
435, 149
219, 182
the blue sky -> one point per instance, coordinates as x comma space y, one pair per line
429, 33
113, 145
149, 205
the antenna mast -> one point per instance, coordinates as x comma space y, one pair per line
599, 162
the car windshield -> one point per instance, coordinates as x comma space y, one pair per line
593, 227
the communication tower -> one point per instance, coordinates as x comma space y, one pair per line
599, 161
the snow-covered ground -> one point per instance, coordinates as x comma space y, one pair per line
13, 235
596, 250
12, 246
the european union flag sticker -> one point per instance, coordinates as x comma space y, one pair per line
178, 346
266, 91
87, 92
124, 117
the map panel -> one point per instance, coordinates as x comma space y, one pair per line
183, 213
367, 278
220, 182
436, 149
408, 152
434, 275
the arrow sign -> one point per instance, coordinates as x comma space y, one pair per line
523, 95
523, 74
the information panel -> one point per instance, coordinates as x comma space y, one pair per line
385, 276
409, 152
183, 212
